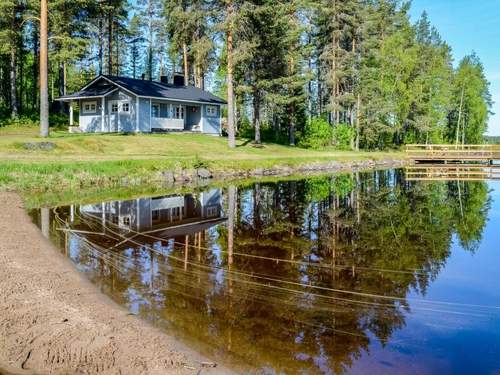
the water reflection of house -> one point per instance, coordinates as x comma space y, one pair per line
165, 216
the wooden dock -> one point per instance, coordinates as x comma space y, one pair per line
453, 153
452, 172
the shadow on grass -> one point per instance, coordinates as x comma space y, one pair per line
244, 143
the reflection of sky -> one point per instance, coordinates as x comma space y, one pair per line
441, 336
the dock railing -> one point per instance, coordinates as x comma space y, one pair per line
452, 172
452, 152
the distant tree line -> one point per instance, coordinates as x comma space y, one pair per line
352, 73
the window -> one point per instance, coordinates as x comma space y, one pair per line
178, 111
125, 107
211, 110
89, 107
125, 221
155, 215
155, 110
212, 211
114, 108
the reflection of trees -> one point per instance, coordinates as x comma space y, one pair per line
470, 210
304, 274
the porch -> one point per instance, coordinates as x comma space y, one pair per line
168, 116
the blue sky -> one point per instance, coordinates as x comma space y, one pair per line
470, 25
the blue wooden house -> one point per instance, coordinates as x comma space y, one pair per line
119, 104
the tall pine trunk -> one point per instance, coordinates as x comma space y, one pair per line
230, 88
460, 113
110, 42
150, 47
44, 99
13, 83
186, 66
358, 121
35, 73
101, 43
256, 116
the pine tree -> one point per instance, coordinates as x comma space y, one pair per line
149, 13
471, 102
135, 42
10, 34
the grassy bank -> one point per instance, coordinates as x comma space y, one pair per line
73, 161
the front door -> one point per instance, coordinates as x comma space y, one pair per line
113, 111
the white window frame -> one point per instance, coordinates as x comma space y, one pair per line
125, 221
158, 112
113, 104
211, 110
178, 112
89, 104
122, 107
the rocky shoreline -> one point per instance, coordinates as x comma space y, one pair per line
186, 176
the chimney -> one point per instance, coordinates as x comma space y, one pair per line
178, 79
143, 76
164, 80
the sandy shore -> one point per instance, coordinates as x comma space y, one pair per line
54, 321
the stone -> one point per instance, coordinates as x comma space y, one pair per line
204, 173
39, 145
168, 176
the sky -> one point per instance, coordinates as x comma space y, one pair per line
467, 26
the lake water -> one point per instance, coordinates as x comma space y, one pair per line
362, 273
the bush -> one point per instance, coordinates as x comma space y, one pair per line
56, 120
22, 121
317, 134
246, 129
343, 135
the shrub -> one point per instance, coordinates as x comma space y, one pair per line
317, 134
56, 120
343, 135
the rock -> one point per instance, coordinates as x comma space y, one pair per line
188, 175
39, 145
168, 176
204, 173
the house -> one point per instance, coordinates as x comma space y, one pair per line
110, 104
165, 216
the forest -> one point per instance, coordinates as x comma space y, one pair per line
313, 73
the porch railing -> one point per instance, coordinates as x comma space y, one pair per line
167, 123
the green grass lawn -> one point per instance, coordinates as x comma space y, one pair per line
81, 160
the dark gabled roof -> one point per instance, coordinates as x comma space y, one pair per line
89, 92
140, 87
155, 89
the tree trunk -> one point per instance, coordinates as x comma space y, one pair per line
60, 88
117, 56
320, 92
292, 125
231, 215
44, 101
150, 47
101, 42
460, 113
358, 121
110, 42
186, 67
13, 81
256, 116
309, 83
334, 81
230, 88
160, 68
35, 67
